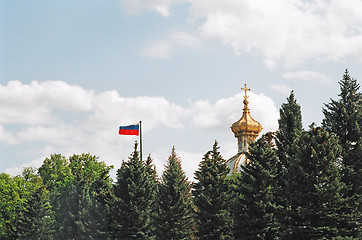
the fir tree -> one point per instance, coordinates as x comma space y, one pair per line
286, 140
36, 221
255, 209
174, 212
315, 201
343, 117
211, 197
131, 206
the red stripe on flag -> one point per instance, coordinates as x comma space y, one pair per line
129, 131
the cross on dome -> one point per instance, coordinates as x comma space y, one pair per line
245, 89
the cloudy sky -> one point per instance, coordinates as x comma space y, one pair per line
72, 71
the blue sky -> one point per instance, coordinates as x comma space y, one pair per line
72, 71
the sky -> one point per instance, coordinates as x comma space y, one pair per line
73, 71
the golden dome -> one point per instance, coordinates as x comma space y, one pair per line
246, 125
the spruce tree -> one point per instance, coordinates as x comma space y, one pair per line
290, 128
131, 206
174, 212
255, 209
343, 117
211, 197
286, 140
315, 202
36, 221
153, 177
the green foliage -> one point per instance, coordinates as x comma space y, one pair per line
62, 177
86, 167
36, 221
290, 128
343, 117
10, 202
56, 174
82, 216
286, 140
255, 209
307, 186
315, 200
211, 197
14, 195
174, 211
131, 205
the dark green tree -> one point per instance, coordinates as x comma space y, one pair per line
131, 206
36, 221
343, 117
211, 197
286, 140
315, 202
82, 217
152, 174
174, 211
255, 209
290, 128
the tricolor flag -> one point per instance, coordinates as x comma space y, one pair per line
129, 130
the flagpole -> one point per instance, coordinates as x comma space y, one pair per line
141, 140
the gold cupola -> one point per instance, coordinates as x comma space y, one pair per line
246, 130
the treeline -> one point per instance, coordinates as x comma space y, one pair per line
298, 184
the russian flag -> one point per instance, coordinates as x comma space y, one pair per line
129, 130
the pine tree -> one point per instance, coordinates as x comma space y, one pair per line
83, 217
36, 221
211, 197
131, 206
255, 209
315, 202
174, 212
343, 117
286, 140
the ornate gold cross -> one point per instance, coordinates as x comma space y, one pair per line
245, 89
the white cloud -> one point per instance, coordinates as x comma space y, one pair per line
228, 110
281, 32
308, 76
104, 112
184, 39
290, 32
33, 103
160, 6
158, 49
165, 48
7, 137
284, 89
287, 31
